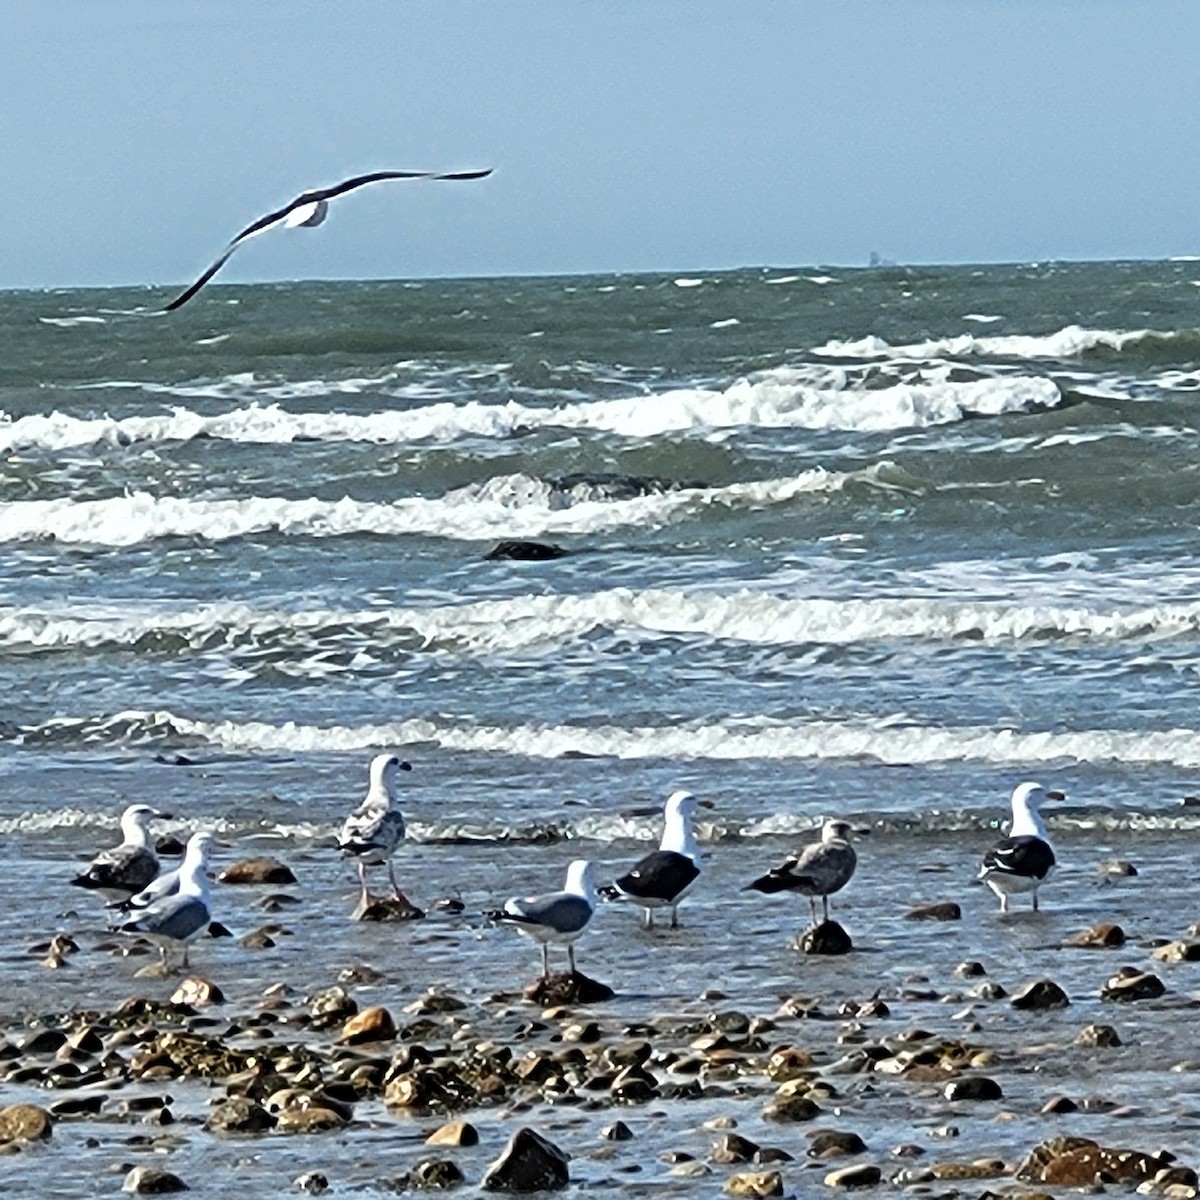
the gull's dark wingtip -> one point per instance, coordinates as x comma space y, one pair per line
478, 174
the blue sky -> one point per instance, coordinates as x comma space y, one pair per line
137, 137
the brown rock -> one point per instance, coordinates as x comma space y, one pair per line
454, 1133
1076, 1162
239, 1114
1177, 952
568, 988
529, 1163
1040, 995
371, 1025
1104, 936
252, 871
987, 1169
790, 1062
755, 1183
196, 993
315, 1119
25, 1123
943, 910
386, 908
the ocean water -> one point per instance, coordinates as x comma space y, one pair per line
869, 541
877, 543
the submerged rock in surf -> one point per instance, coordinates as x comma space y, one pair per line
514, 550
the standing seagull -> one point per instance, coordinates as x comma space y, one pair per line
129, 867
820, 869
181, 918
1022, 861
374, 829
555, 916
662, 878
309, 209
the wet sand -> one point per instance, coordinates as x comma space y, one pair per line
717, 1000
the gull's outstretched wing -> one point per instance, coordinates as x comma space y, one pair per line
313, 197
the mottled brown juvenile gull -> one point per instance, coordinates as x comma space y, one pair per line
375, 828
129, 867
664, 877
179, 919
1022, 861
820, 869
309, 209
558, 917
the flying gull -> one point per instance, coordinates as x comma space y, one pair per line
129, 867
555, 916
309, 209
664, 877
181, 918
374, 829
1022, 861
820, 869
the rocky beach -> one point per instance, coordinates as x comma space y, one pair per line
952, 1052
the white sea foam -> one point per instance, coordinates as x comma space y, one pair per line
892, 741
814, 397
510, 506
1069, 342
548, 621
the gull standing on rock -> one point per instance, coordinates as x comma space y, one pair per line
181, 918
555, 916
133, 864
1022, 861
820, 869
375, 828
664, 877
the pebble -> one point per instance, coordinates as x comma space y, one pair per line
944, 910
860, 1176
1129, 984
454, 1133
1104, 936
755, 1183
1040, 995
151, 1181
253, 871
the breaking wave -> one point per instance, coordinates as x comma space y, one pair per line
510, 506
889, 741
1068, 342
536, 621
798, 398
